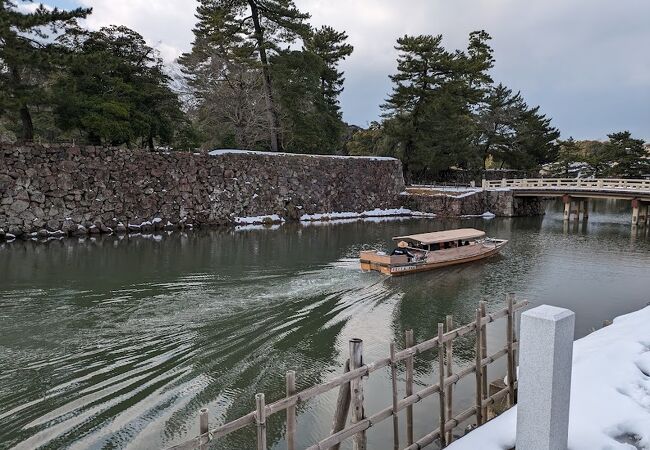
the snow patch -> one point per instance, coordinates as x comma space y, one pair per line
354, 215
610, 393
272, 218
485, 215
232, 151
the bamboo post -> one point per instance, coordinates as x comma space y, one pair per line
260, 418
410, 342
291, 411
342, 407
450, 361
356, 391
512, 372
484, 374
479, 384
441, 381
393, 373
515, 351
203, 427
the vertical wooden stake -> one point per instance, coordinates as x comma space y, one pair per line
484, 375
410, 342
511, 362
441, 381
204, 428
450, 371
291, 411
479, 384
514, 350
393, 373
342, 407
356, 390
260, 418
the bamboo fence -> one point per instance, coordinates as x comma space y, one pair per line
350, 402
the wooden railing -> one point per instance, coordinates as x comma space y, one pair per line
351, 397
583, 183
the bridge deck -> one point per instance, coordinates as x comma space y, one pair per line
586, 188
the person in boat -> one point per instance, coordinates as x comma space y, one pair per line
402, 249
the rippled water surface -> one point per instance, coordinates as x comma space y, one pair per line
118, 342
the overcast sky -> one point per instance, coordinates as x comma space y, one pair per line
585, 62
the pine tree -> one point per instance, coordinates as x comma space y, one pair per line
27, 56
247, 31
429, 113
309, 123
116, 91
496, 123
624, 156
512, 133
331, 47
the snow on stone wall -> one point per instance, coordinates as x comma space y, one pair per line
47, 189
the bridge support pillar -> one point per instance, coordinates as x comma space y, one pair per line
643, 214
567, 207
585, 213
635, 211
576, 211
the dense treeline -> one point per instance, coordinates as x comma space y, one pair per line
259, 76
620, 156
445, 112
62, 82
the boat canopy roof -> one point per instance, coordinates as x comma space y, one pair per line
442, 236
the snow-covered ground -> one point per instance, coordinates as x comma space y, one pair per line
229, 151
610, 393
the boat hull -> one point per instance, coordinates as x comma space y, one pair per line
437, 261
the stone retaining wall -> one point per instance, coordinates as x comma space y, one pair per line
500, 203
65, 190
72, 190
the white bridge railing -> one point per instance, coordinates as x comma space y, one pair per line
555, 183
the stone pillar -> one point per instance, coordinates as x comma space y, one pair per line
545, 363
567, 207
643, 214
585, 214
635, 211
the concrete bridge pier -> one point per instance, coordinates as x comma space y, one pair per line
643, 214
636, 206
574, 206
567, 207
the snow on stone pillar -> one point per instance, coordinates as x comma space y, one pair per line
545, 362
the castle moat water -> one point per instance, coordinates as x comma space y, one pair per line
117, 342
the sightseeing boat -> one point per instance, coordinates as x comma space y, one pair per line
426, 251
